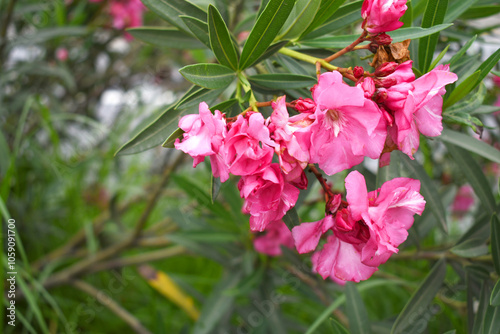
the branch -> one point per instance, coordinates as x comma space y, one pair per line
348, 48
113, 306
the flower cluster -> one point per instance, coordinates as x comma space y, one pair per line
341, 125
125, 13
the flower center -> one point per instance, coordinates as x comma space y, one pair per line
335, 121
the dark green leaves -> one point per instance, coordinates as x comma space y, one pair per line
420, 300
356, 311
325, 11
265, 30
198, 28
495, 242
166, 37
434, 15
170, 10
299, 19
474, 175
282, 81
428, 189
213, 76
471, 144
220, 39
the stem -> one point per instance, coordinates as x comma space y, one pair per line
113, 306
348, 48
3, 29
307, 58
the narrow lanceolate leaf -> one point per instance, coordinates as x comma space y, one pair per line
495, 295
457, 56
434, 15
299, 19
341, 18
169, 142
291, 219
325, 11
439, 57
495, 242
471, 144
407, 17
420, 300
165, 37
220, 39
162, 283
265, 30
480, 11
218, 304
487, 320
170, 10
282, 81
212, 76
462, 90
428, 190
457, 8
474, 175
215, 185
154, 133
198, 28
270, 51
397, 36
471, 248
356, 311
487, 66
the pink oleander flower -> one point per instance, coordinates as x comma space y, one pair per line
248, 148
417, 108
382, 15
276, 234
125, 13
463, 200
347, 126
292, 157
267, 196
366, 232
204, 136
62, 54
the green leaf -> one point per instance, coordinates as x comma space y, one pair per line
226, 106
356, 311
343, 17
282, 81
397, 36
434, 15
212, 76
215, 187
439, 57
155, 132
337, 327
456, 9
291, 218
372, 283
299, 19
471, 144
220, 39
495, 242
270, 51
165, 37
170, 10
407, 17
169, 142
46, 34
325, 11
480, 11
420, 300
428, 190
495, 295
487, 320
487, 66
198, 28
457, 56
471, 248
265, 30
218, 303
474, 175
462, 90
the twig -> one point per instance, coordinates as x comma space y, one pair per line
348, 48
79, 267
3, 30
139, 259
113, 306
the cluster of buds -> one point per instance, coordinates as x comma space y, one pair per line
336, 129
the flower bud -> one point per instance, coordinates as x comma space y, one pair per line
358, 72
386, 69
304, 105
383, 39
